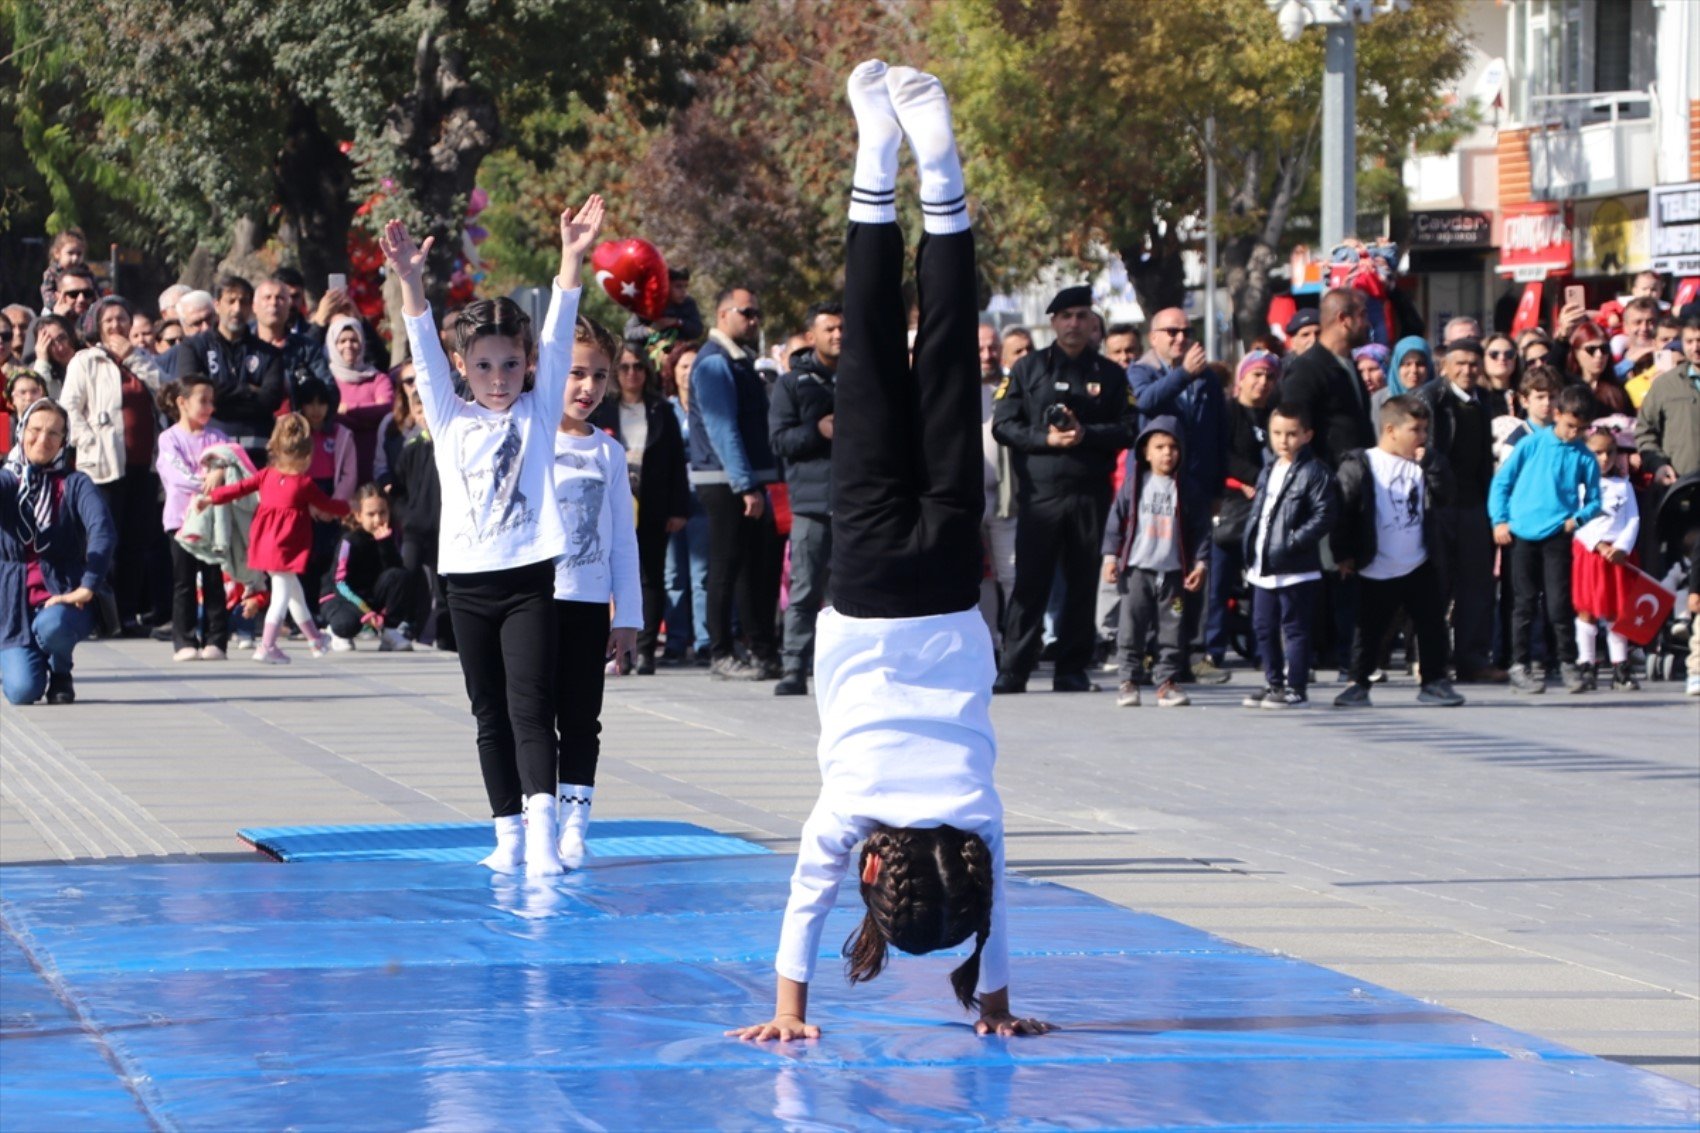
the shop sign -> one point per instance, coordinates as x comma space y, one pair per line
1675, 228
1611, 235
1451, 228
1534, 241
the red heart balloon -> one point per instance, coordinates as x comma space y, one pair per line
634, 275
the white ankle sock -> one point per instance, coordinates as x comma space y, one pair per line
924, 112
873, 187
509, 854
1587, 641
542, 859
575, 822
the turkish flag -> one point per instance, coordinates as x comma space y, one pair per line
1528, 310
1686, 292
1646, 606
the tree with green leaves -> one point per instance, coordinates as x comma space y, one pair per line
1084, 123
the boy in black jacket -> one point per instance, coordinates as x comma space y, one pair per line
1386, 536
1155, 547
1293, 511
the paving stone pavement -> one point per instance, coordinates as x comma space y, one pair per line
1532, 862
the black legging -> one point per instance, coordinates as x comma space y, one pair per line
652, 574
907, 491
505, 627
580, 672
133, 500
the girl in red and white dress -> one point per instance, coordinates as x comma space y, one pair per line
281, 538
1599, 577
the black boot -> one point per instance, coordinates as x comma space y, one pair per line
1623, 678
791, 684
59, 689
1590, 678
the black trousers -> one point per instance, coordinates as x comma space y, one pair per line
1469, 584
186, 573
504, 623
652, 574
392, 596
133, 500
1537, 566
1049, 531
907, 471
580, 672
1281, 618
737, 573
1379, 602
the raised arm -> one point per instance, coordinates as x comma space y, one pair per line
431, 366
579, 229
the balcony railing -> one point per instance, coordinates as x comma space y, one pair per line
1592, 144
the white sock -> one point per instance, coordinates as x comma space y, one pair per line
575, 822
924, 112
1617, 646
1587, 641
873, 188
509, 854
542, 859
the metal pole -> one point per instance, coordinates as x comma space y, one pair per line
1210, 236
1339, 141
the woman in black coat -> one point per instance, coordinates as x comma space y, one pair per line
642, 420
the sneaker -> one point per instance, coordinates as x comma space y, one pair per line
1208, 672
1439, 694
645, 665
730, 668
319, 646
769, 669
271, 655
1170, 696
187, 653
1256, 699
212, 653
1623, 678
1072, 682
1008, 684
791, 684
1378, 677
1355, 696
1286, 698
1343, 677
1571, 675
341, 644
1127, 695
244, 642
60, 690
1692, 688
1486, 675
389, 641
1523, 681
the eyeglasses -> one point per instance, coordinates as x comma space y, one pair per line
1178, 332
749, 312
1593, 348
79, 293
1501, 355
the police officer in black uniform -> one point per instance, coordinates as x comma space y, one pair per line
1065, 413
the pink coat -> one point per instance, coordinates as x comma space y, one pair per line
363, 409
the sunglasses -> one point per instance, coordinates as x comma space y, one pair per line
1501, 355
78, 293
1534, 358
1593, 348
1178, 332
749, 312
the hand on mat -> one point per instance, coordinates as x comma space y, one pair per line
785, 1028
1003, 1024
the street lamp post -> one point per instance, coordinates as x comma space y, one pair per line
1339, 18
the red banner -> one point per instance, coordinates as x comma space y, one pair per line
1646, 607
1528, 314
1534, 241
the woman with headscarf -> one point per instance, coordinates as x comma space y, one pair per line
56, 543
1411, 365
110, 397
367, 393
1371, 362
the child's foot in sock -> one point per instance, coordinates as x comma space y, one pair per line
873, 189
509, 854
575, 822
924, 113
542, 859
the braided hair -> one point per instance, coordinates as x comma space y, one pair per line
933, 890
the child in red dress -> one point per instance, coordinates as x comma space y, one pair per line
281, 538
1598, 576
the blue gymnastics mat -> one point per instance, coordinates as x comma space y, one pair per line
426, 995
470, 841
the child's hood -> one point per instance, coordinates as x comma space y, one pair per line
1163, 424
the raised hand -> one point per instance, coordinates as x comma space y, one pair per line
579, 228
406, 258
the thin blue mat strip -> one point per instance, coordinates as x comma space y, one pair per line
470, 841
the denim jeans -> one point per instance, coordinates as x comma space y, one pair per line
687, 586
54, 633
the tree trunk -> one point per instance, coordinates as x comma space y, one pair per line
444, 127
1157, 272
315, 183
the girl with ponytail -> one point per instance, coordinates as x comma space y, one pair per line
903, 661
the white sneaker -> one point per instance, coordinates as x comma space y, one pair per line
341, 644
271, 656
187, 653
244, 643
392, 641
1693, 686
212, 653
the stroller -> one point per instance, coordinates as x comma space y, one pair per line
1676, 528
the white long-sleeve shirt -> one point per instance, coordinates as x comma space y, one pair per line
906, 740
497, 469
594, 494
1619, 521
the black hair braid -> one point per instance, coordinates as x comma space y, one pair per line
972, 905
867, 949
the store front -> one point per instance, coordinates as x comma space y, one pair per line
1451, 257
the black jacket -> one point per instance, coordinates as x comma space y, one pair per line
800, 399
1443, 407
1353, 538
248, 380
1096, 390
661, 491
415, 492
1305, 511
1338, 404
1248, 442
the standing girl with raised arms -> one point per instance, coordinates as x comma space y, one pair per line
501, 529
904, 660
